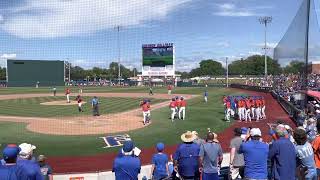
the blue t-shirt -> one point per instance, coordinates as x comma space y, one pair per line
160, 162
306, 158
255, 157
12, 172
126, 167
210, 153
187, 157
206, 94
95, 101
283, 159
31, 168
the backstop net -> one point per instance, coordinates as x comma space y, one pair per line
298, 52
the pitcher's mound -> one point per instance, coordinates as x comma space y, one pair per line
60, 103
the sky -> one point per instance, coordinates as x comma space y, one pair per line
84, 31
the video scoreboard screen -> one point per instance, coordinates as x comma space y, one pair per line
157, 55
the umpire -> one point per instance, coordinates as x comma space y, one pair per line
95, 106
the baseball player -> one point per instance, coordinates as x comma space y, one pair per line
169, 89
79, 100
183, 104
177, 106
68, 95
205, 96
54, 89
145, 111
241, 109
172, 107
228, 110
150, 91
263, 108
252, 103
80, 88
258, 109
247, 109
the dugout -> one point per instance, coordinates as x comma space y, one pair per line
28, 73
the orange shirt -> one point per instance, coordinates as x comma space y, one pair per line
248, 104
183, 103
178, 103
316, 150
67, 91
172, 104
145, 107
257, 103
239, 104
228, 104
263, 102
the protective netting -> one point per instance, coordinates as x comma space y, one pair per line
291, 51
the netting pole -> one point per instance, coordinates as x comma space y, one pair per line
265, 20
227, 72
306, 55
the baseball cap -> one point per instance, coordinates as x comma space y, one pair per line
160, 146
10, 151
281, 131
244, 130
255, 132
128, 146
26, 149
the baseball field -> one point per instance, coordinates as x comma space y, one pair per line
77, 141
58, 129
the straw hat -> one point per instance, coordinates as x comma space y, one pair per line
188, 137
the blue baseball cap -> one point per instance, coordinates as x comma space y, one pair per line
160, 146
128, 146
244, 130
10, 151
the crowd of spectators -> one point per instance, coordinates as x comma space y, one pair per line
19, 163
291, 154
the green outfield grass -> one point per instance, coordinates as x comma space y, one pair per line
200, 116
31, 106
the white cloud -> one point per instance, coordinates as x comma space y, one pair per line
89, 64
269, 45
56, 18
254, 53
223, 44
230, 9
8, 56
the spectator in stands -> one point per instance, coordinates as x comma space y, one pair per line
126, 165
311, 129
186, 157
255, 155
283, 156
198, 140
25, 160
316, 148
159, 167
305, 154
45, 168
10, 170
210, 157
236, 159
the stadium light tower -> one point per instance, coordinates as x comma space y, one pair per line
119, 53
265, 21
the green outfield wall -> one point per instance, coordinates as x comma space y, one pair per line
21, 73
